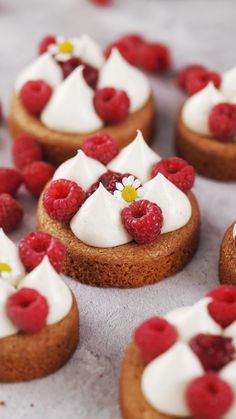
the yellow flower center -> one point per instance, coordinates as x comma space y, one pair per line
66, 47
129, 193
4, 267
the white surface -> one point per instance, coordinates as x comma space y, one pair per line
197, 30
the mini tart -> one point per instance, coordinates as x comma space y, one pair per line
210, 157
58, 146
227, 264
132, 402
129, 265
25, 357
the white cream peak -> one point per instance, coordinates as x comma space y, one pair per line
175, 205
137, 158
118, 73
98, 222
9, 255
81, 169
43, 68
48, 283
7, 328
165, 379
197, 108
70, 108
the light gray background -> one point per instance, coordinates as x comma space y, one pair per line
197, 31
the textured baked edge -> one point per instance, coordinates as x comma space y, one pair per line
133, 405
227, 262
26, 357
58, 147
209, 157
130, 265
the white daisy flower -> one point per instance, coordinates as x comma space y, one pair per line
129, 190
65, 48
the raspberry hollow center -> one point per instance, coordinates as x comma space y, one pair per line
129, 193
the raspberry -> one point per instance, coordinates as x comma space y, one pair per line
28, 310
183, 73
91, 75
34, 246
36, 175
153, 337
63, 199
25, 151
223, 307
128, 47
10, 180
177, 171
101, 3
209, 397
11, 213
154, 57
101, 147
213, 351
45, 42
112, 105
222, 121
69, 65
34, 96
109, 180
143, 220
197, 79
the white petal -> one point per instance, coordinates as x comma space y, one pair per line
119, 186
130, 180
140, 191
53, 49
136, 183
117, 194
125, 181
63, 57
60, 39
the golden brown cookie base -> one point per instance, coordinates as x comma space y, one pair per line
58, 146
209, 157
132, 402
129, 265
227, 264
25, 357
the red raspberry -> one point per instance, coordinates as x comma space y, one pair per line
143, 220
101, 147
25, 151
34, 246
213, 351
154, 57
222, 121
197, 79
183, 73
223, 307
177, 171
63, 199
153, 337
128, 47
209, 397
109, 180
36, 175
69, 65
28, 310
34, 96
10, 180
11, 213
45, 42
112, 105
101, 3
91, 75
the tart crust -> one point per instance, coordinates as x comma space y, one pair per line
132, 402
209, 157
25, 357
129, 265
227, 264
58, 146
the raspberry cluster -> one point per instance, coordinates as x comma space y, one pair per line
195, 77
177, 171
150, 56
222, 121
